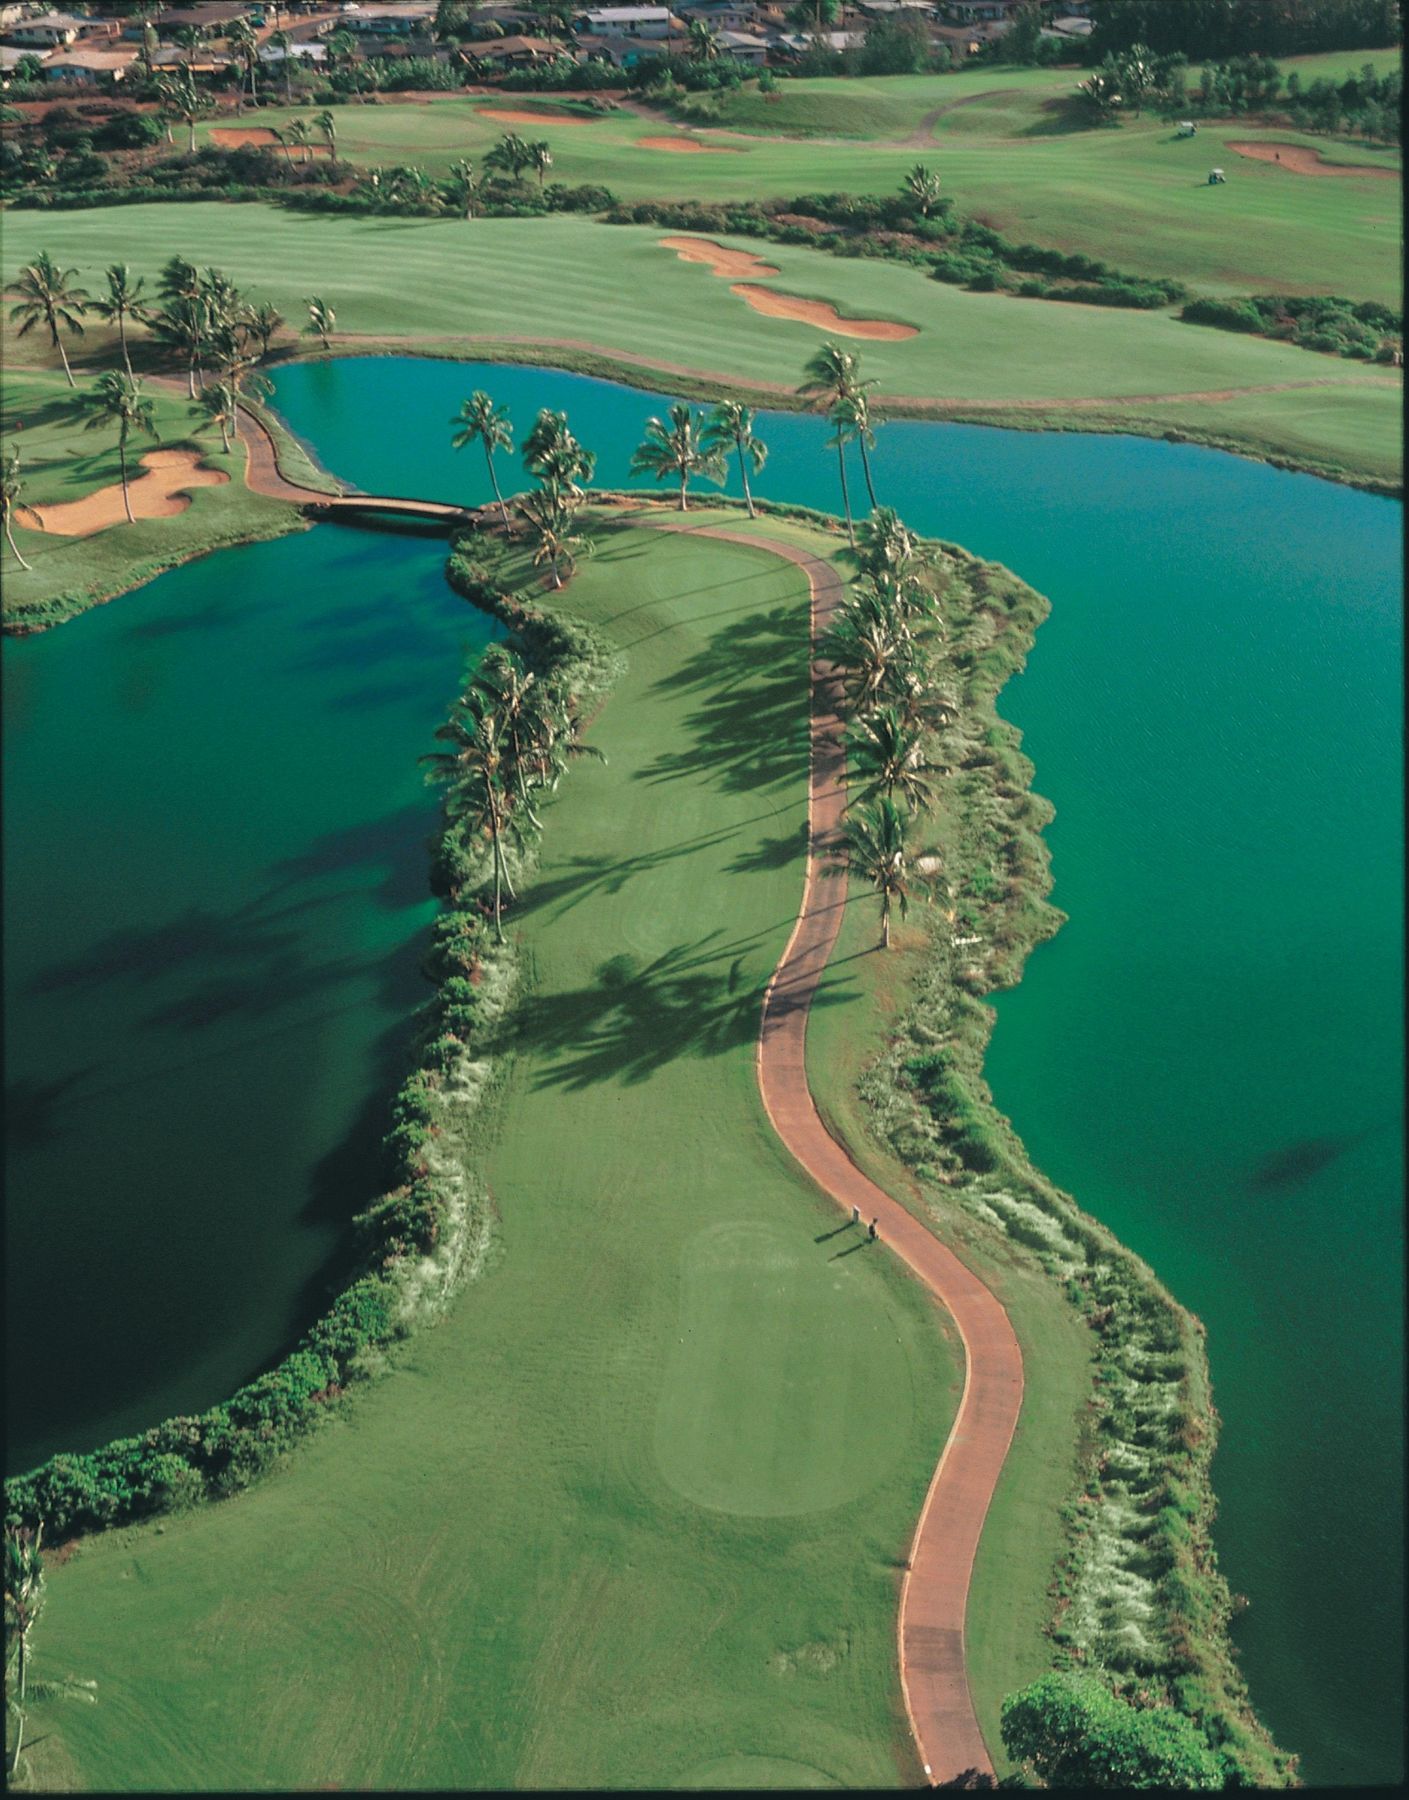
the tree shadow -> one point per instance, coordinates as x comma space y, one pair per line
772, 853
1061, 116
31, 1105
753, 678
216, 614
629, 1020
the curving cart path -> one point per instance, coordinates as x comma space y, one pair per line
935, 1592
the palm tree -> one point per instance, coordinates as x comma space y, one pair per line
179, 279
47, 294
541, 156
476, 773
328, 125
124, 302
676, 449
551, 452
118, 400
181, 98
281, 41
322, 320
704, 41
243, 40
511, 153
263, 324
875, 842
11, 487
218, 403
730, 426
887, 754
479, 418
24, 1601
923, 187
463, 185
549, 513
297, 132
866, 651
184, 324
843, 420
189, 38
857, 410
885, 544
341, 47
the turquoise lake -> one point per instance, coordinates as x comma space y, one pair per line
1209, 1056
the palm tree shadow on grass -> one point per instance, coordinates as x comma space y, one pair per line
750, 729
694, 1000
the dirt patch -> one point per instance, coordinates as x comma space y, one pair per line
719, 260
159, 494
820, 313
689, 146
1302, 161
258, 137
551, 115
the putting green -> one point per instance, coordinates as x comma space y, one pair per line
751, 1419
511, 1563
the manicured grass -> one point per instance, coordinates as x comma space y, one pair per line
633, 1514
62, 462
1006, 144
565, 279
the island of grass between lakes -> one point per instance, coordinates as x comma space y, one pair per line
551, 290
639, 1548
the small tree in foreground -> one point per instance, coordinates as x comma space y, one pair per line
479, 419
1072, 1731
730, 427
322, 320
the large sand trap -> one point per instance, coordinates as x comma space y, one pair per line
1302, 161
719, 260
819, 313
691, 146
550, 114
259, 137
159, 494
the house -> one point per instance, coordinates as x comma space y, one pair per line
214, 20
980, 12
391, 21
300, 52
627, 21
513, 52
51, 30
724, 15
88, 68
1070, 25
202, 61
744, 47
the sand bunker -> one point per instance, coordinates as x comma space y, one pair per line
549, 114
691, 146
259, 137
819, 313
159, 494
719, 260
1302, 161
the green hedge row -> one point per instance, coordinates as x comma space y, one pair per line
1366, 330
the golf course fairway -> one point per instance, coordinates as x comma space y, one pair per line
636, 1512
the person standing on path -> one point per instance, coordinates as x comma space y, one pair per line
871, 1233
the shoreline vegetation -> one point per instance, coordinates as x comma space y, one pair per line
1137, 1594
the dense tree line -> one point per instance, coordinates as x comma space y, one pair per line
1205, 29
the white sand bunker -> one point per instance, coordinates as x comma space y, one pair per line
820, 313
1302, 161
159, 494
716, 258
686, 145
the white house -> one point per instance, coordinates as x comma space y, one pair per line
627, 21
88, 68
49, 29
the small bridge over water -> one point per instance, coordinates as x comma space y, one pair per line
372, 509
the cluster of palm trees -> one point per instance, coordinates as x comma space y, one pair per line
560, 466
882, 645
514, 154
298, 135
219, 337
510, 735
690, 443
